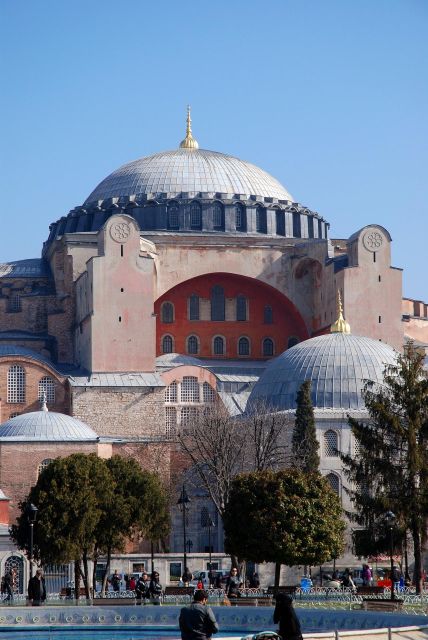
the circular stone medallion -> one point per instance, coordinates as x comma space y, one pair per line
120, 232
373, 240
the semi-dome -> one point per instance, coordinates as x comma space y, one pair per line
338, 365
46, 426
188, 170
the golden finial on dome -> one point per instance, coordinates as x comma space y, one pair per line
340, 326
189, 141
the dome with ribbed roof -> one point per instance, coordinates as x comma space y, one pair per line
191, 171
338, 365
46, 426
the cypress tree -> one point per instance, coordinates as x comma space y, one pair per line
305, 444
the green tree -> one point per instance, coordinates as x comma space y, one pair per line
304, 443
88, 506
391, 470
287, 517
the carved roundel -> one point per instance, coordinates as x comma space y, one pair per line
373, 240
120, 231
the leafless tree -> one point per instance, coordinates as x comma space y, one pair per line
268, 438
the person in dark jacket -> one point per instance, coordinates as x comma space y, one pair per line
285, 616
37, 589
197, 621
187, 577
9, 584
233, 584
142, 588
155, 589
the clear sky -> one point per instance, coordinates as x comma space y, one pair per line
329, 96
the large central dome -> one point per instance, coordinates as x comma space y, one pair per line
191, 171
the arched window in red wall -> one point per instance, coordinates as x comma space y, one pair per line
167, 344
167, 312
243, 347
194, 307
218, 305
241, 308
218, 346
268, 315
192, 345
268, 347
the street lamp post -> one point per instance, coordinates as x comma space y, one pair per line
210, 524
189, 544
183, 501
31, 516
390, 520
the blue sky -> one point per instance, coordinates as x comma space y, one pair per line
330, 96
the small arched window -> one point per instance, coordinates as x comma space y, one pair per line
218, 305
218, 216
268, 347
192, 345
167, 344
331, 444
173, 216
218, 346
239, 217
241, 308
16, 384
268, 315
334, 482
195, 216
43, 465
47, 389
194, 307
261, 220
292, 341
243, 347
167, 313
171, 392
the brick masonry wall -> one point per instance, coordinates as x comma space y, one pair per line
19, 465
127, 412
33, 373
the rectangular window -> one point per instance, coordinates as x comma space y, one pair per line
170, 422
175, 571
194, 307
15, 303
280, 223
319, 229
241, 308
190, 389
310, 226
297, 229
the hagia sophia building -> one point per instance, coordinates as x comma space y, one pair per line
186, 276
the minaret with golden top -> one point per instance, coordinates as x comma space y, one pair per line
189, 141
340, 326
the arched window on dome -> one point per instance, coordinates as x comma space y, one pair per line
194, 307
240, 217
195, 215
331, 444
192, 345
268, 314
241, 308
43, 465
167, 344
261, 226
173, 216
280, 222
218, 216
16, 384
167, 312
334, 481
218, 304
292, 341
268, 347
243, 347
46, 389
218, 346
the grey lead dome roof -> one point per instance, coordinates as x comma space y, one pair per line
184, 170
46, 426
337, 364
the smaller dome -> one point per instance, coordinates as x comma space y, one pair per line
338, 365
46, 426
171, 360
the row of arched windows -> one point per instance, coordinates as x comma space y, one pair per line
17, 387
240, 219
219, 345
218, 308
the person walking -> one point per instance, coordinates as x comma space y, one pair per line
285, 616
37, 589
155, 589
9, 584
142, 589
233, 584
187, 577
197, 621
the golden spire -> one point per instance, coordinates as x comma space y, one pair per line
340, 326
189, 141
